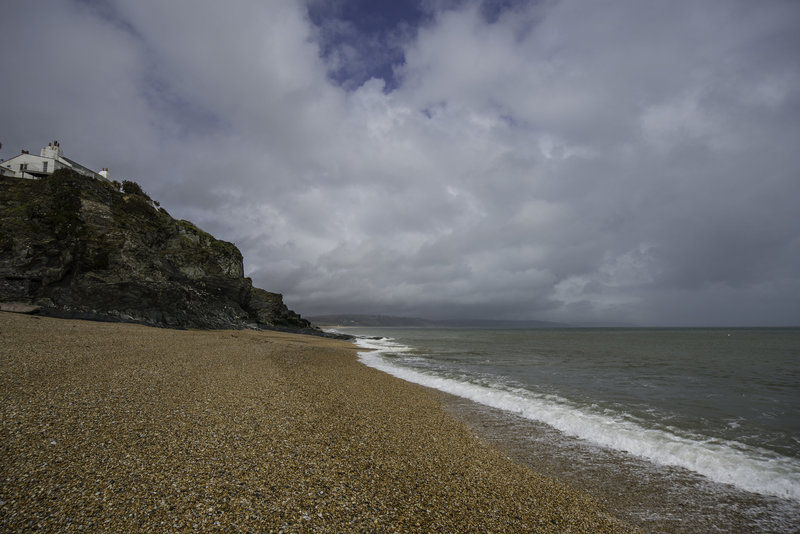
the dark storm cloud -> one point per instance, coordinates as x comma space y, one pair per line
577, 161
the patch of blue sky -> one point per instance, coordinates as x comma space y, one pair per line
364, 39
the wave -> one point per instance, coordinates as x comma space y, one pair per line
748, 468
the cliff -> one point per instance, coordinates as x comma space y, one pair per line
84, 248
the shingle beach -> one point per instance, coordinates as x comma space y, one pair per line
120, 427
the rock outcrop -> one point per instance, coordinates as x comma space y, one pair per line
79, 247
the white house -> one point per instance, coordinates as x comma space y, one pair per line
50, 159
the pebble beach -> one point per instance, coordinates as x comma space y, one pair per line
122, 427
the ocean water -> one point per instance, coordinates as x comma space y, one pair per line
712, 414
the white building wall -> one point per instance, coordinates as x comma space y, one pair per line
24, 165
52, 151
33, 166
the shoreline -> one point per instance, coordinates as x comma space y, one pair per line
117, 427
648, 495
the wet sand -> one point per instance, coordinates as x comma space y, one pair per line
124, 427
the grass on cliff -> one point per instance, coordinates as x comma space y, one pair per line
52, 205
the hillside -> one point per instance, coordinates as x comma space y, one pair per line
79, 247
370, 320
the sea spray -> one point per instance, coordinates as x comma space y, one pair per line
745, 466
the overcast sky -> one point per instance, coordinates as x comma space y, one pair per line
609, 160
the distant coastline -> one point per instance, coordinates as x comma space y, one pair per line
343, 320
392, 321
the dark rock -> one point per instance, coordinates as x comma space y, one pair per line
78, 247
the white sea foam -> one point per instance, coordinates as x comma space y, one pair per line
748, 468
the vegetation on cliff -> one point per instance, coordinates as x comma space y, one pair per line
80, 247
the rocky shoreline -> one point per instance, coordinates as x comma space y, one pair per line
124, 427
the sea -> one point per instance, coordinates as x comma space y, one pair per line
674, 430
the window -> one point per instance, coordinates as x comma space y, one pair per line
44, 166
23, 166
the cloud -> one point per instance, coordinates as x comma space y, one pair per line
362, 39
605, 161
66, 84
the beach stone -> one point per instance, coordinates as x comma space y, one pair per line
123, 427
19, 307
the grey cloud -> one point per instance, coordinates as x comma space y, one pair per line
605, 161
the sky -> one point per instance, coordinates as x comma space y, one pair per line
613, 161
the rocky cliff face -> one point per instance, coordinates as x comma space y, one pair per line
79, 247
